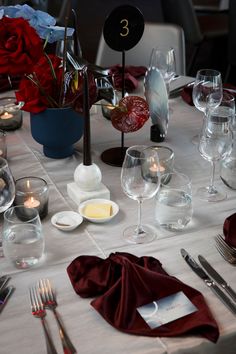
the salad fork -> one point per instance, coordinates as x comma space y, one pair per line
227, 252
38, 311
49, 301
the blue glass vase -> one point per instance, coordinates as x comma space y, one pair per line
57, 129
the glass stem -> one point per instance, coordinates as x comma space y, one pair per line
211, 187
139, 229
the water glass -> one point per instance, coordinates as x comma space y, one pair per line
23, 242
173, 209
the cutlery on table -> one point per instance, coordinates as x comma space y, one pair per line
217, 277
5, 293
208, 281
38, 310
226, 251
3, 281
49, 301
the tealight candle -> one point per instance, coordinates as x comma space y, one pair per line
32, 192
10, 114
166, 160
31, 202
6, 115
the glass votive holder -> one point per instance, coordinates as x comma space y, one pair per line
3, 144
10, 114
32, 192
166, 159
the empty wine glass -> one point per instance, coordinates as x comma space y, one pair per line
207, 92
140, 180
215, 144
163, 58
7, 186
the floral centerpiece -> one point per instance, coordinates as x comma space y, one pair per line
46, 81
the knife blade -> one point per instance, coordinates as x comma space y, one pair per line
208, 281
3, 281
4, 296
217, 277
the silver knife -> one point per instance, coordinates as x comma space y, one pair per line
209, 282
217, 277
4, 296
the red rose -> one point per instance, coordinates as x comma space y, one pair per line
46, 92
20, 46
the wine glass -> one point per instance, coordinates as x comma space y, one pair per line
163, 58
215, 143
7, 186
207, 92
140, 180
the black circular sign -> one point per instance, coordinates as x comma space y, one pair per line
123, 28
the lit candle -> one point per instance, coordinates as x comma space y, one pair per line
31, 202
6, 115
156, 168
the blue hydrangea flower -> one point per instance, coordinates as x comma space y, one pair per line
43, 23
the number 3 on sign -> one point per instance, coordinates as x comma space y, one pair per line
125, 28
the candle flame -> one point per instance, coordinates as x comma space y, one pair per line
28, 184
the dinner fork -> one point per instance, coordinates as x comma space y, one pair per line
227, 252
49, 301
38, 310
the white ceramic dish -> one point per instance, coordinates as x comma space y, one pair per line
66, 220
115, 209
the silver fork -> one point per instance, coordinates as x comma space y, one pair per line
38, 310
227, 252
49, 301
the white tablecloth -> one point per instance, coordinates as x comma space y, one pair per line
22, 334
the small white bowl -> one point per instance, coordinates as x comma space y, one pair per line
115, 209
66, 220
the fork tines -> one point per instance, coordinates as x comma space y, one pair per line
35, 300
227, 252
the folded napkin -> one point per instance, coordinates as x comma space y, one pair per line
229, 229
7, 84
124, 282
187, 91
132, 73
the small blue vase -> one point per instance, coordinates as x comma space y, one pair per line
57, 129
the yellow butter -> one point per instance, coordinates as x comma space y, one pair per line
98, 211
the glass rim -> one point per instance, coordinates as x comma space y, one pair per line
14, 207
208, 72
138, 148
185, 178
5, 163
42, 189
165, 148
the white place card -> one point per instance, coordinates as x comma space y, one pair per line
166, 309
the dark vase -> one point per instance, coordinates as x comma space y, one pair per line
57, 129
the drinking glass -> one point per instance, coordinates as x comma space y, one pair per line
173, 209
163, 58
207, 92
140, 180
23, 242
7, 186
215, 143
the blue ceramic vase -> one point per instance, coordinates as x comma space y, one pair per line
57, 129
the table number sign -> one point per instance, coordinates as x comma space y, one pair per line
122, 30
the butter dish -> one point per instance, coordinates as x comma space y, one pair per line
98, 210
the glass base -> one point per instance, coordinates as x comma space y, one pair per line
210, 194
131, 235
195, 139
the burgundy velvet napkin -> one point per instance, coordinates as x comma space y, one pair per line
6, 85
132, 73
187, 91
124, 282
229, 229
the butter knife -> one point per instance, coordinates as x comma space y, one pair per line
4, 296
217, 277
208, 281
